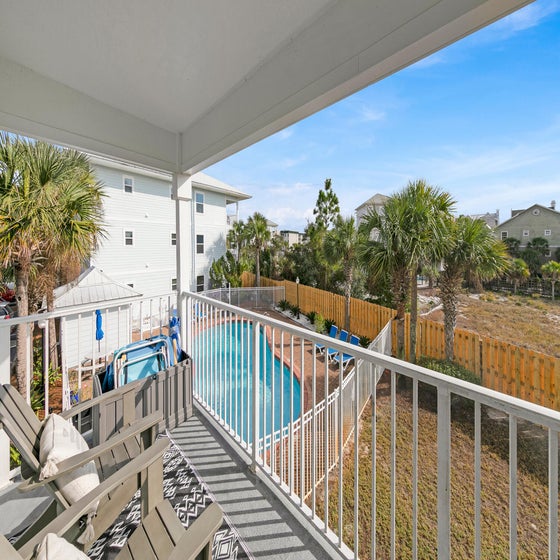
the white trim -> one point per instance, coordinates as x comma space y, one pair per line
526, 233
197, 202
197, 252
125, 231
504, 236
124, 185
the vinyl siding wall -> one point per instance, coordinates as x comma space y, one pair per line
149, 212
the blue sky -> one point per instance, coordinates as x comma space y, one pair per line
480, 119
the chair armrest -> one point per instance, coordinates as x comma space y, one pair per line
67, 518
199, 534
72, 463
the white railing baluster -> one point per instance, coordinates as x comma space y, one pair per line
512, 487
444, 472
414, 469
255, 394
373, 536
356, 461
302, 461
552, 494
477, 481
340, 413
393, 462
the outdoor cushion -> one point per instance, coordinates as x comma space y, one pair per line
59, 441
53, 547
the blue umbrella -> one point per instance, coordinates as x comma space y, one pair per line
98, 330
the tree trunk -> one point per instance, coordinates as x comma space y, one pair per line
348, 294
258, 269
53, 346
401, 287
22, 299
413, 315
553, 282
449, 291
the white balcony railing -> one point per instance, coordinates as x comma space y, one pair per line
78, 352
421, 417
430, 441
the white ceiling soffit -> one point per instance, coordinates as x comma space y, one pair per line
180, 84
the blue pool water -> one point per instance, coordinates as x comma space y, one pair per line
225, 353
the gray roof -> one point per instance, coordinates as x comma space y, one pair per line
377, 199
92, 286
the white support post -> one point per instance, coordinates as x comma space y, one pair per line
4, 378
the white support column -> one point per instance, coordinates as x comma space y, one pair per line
182, 193
4, 378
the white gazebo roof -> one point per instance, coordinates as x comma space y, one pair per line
92, 286
179, 85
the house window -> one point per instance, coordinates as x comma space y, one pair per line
547, 232
173, 284
504, 234
128, 184
199, 199
129, 238
200, 244
525, 233
200, 283
173, 239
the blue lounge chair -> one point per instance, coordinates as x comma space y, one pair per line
332, 333
347, 358
331, 352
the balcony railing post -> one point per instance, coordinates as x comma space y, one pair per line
4, 378
255, 394
444, 471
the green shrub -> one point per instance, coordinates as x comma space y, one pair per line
328, 324
312, 315
319, 323
284, 305
449, 368
365, 341
295, 310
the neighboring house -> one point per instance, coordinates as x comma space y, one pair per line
272, 227
140, 248
376, 202
492, 219
292, 237
535, 221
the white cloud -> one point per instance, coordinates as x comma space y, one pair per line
525, 18
284, 134
290, 190
369, 114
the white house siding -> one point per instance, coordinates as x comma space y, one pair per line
212, 223
149, 212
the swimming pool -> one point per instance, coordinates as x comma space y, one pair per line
223, 360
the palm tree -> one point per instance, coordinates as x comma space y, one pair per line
258, 237
50, 210
341, 246
517, 272
413, 230
236, 238
551, 271
473, 247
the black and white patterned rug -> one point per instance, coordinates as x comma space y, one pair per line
189, 497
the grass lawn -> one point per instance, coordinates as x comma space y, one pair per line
525, 321
532, 483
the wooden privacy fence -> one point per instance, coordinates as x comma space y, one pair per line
510, 369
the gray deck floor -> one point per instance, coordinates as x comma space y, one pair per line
264, 523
